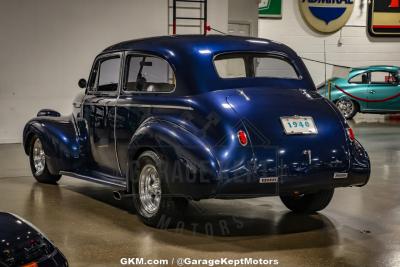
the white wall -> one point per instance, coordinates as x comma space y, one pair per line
357, 48
47, 45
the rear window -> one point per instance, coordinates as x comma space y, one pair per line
251, 65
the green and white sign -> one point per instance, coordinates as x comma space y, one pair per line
270, 9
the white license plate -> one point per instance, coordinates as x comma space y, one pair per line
299, 125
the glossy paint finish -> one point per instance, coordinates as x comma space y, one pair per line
367, 91
21, 243
194, 128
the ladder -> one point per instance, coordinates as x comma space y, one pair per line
188, 14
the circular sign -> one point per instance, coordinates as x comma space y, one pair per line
326, 15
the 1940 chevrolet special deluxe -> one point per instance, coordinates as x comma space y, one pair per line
168, 119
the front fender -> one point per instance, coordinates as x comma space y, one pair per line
191, 167
59, 139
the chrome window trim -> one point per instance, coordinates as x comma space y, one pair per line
155, 106
142, 106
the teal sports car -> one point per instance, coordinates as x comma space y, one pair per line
374, 89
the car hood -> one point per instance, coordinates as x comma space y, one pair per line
261, 109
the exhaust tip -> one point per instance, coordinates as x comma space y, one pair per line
117, 195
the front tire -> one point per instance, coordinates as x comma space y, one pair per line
308, 203
38, 162
154, 206
347, 107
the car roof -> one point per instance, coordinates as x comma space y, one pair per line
208, 43
376, 68
191, 57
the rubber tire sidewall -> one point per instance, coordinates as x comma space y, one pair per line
355, 110
46, 177
309, 203
171, 208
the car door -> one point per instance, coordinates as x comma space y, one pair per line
147, 86
99, 108
383, 85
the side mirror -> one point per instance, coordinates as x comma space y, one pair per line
82, 83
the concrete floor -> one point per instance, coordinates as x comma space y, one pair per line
361, 227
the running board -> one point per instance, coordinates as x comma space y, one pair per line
106, 181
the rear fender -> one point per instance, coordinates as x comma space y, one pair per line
59, 138
360, 164
191, 169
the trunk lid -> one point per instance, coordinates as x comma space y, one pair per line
296, 155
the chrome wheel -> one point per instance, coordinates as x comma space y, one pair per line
150, 189
39, 157
346, 107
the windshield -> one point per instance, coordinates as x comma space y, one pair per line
254, 65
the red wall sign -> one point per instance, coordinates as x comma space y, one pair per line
384, 18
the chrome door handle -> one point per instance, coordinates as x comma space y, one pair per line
372, 92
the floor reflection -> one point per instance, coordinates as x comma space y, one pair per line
359, 228
225, 220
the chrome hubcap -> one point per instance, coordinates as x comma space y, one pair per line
346, 107
39, 158
150, 189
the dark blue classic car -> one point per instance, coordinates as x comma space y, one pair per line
21, 244
168, 119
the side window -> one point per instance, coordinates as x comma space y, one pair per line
382, 77
148, 74
360, 79
108, 77
105, 75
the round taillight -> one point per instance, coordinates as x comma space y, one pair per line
242, 138
351, 134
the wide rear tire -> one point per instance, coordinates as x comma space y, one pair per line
38, 161
308, 203
154, 205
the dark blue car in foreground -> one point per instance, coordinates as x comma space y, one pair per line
22, 245
168, 119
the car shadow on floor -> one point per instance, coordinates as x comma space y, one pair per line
209, 226
228, 219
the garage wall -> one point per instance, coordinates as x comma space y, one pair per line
244, 11
47, 45
356, 50
217, 16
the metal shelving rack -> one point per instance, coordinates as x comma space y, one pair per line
189, 5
